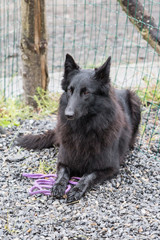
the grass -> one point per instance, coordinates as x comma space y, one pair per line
7, 226
47, 167
13, 110
151, 93
150, 98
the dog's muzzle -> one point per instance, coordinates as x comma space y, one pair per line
69, 113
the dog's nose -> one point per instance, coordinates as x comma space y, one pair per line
69, 113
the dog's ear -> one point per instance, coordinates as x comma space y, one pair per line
103, 73
69, 65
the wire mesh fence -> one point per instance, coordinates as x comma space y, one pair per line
90, 31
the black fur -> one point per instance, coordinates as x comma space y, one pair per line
96, 126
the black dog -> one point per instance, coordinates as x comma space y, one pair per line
97, 124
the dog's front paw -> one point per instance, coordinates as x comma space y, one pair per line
58, 190
74, 194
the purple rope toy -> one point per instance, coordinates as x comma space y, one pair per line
44, 185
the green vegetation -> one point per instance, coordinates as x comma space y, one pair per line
7, 226
150, 98
13, 109
151, 93
47, 167
47, 102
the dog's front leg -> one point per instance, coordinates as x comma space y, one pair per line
87, 181
63, 176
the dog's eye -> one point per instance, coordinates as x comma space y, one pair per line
70, 90
84, 91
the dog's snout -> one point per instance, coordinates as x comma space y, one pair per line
69, 113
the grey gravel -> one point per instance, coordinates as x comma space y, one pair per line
126, 207
2, 130
15, 158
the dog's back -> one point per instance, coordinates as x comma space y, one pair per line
130, 104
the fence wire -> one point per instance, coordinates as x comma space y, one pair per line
90, 31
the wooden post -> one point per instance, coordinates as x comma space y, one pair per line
143, 22
34, 48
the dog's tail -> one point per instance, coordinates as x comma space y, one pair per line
135, 108
46, 140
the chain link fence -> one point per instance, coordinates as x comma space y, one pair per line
90, 31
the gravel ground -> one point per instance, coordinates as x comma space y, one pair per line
126, 207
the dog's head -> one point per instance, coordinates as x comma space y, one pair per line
84, 87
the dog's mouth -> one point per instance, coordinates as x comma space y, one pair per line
70, 118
